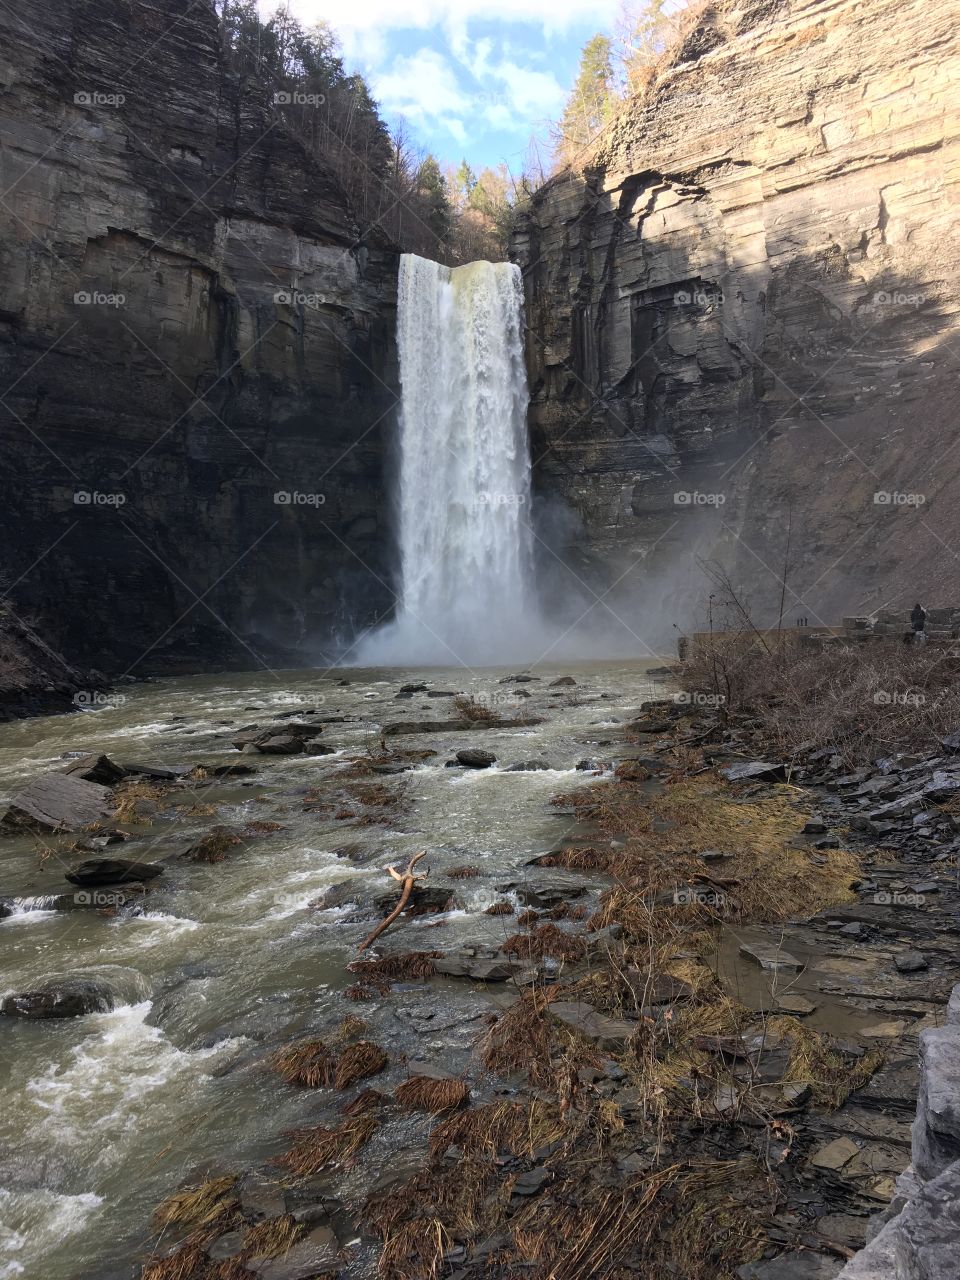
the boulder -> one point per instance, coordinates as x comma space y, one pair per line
754, 770
316, 1255
609, 1034
97, 871
58, 802
562, 682
528, 766
475, 759
771, 957
71, 998
94, 768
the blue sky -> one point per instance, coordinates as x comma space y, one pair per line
472, 78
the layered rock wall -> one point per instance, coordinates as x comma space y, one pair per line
743, 318
196, 360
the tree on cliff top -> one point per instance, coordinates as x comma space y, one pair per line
591, 100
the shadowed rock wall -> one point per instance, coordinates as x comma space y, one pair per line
159, 392
744, 318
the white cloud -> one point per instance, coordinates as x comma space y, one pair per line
348, 16
423, 87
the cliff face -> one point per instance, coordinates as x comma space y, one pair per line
744, 319
194, 344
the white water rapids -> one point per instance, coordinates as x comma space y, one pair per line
466, 545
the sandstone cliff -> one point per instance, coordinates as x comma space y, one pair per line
156, 393
750, 301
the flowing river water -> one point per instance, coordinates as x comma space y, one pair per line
101, 1116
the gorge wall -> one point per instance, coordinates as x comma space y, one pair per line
743, 320
194, 342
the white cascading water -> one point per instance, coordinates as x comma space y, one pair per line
466, 547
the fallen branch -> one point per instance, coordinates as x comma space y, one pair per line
406, 879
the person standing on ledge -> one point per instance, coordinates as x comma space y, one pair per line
918, 620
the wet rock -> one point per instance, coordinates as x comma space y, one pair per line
562, 682
416, 686
588, 766
307, 1259
71, 998
609, 1034
528, 766
455, 726
229, 770
424, 900
835, 1155
771, 958
800, 1006
754, 770
98, 871
533, 1180
650, 724
475, 759
910, 962
58, 802
792, 1266
156, 772
261, 1197
884, 1030
225, 1246
520, 679
493, 967
94, 768
942, 786
547, 890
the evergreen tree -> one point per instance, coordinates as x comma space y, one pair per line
432, 190
590, 103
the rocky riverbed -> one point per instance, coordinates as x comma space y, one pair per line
652, 978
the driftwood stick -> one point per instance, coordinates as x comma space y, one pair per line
406, 878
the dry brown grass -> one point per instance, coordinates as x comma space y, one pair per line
470, 709
308, 1063
500, 909
421, 1093
312, 1064
830, 698
463, 873
198, 1205
214, 846
358, 1062
547, 940
768, 874
137, 801
403, 966
514, 1128
313, 1150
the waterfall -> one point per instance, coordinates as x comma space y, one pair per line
466, 548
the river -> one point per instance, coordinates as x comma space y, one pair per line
101, 1116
